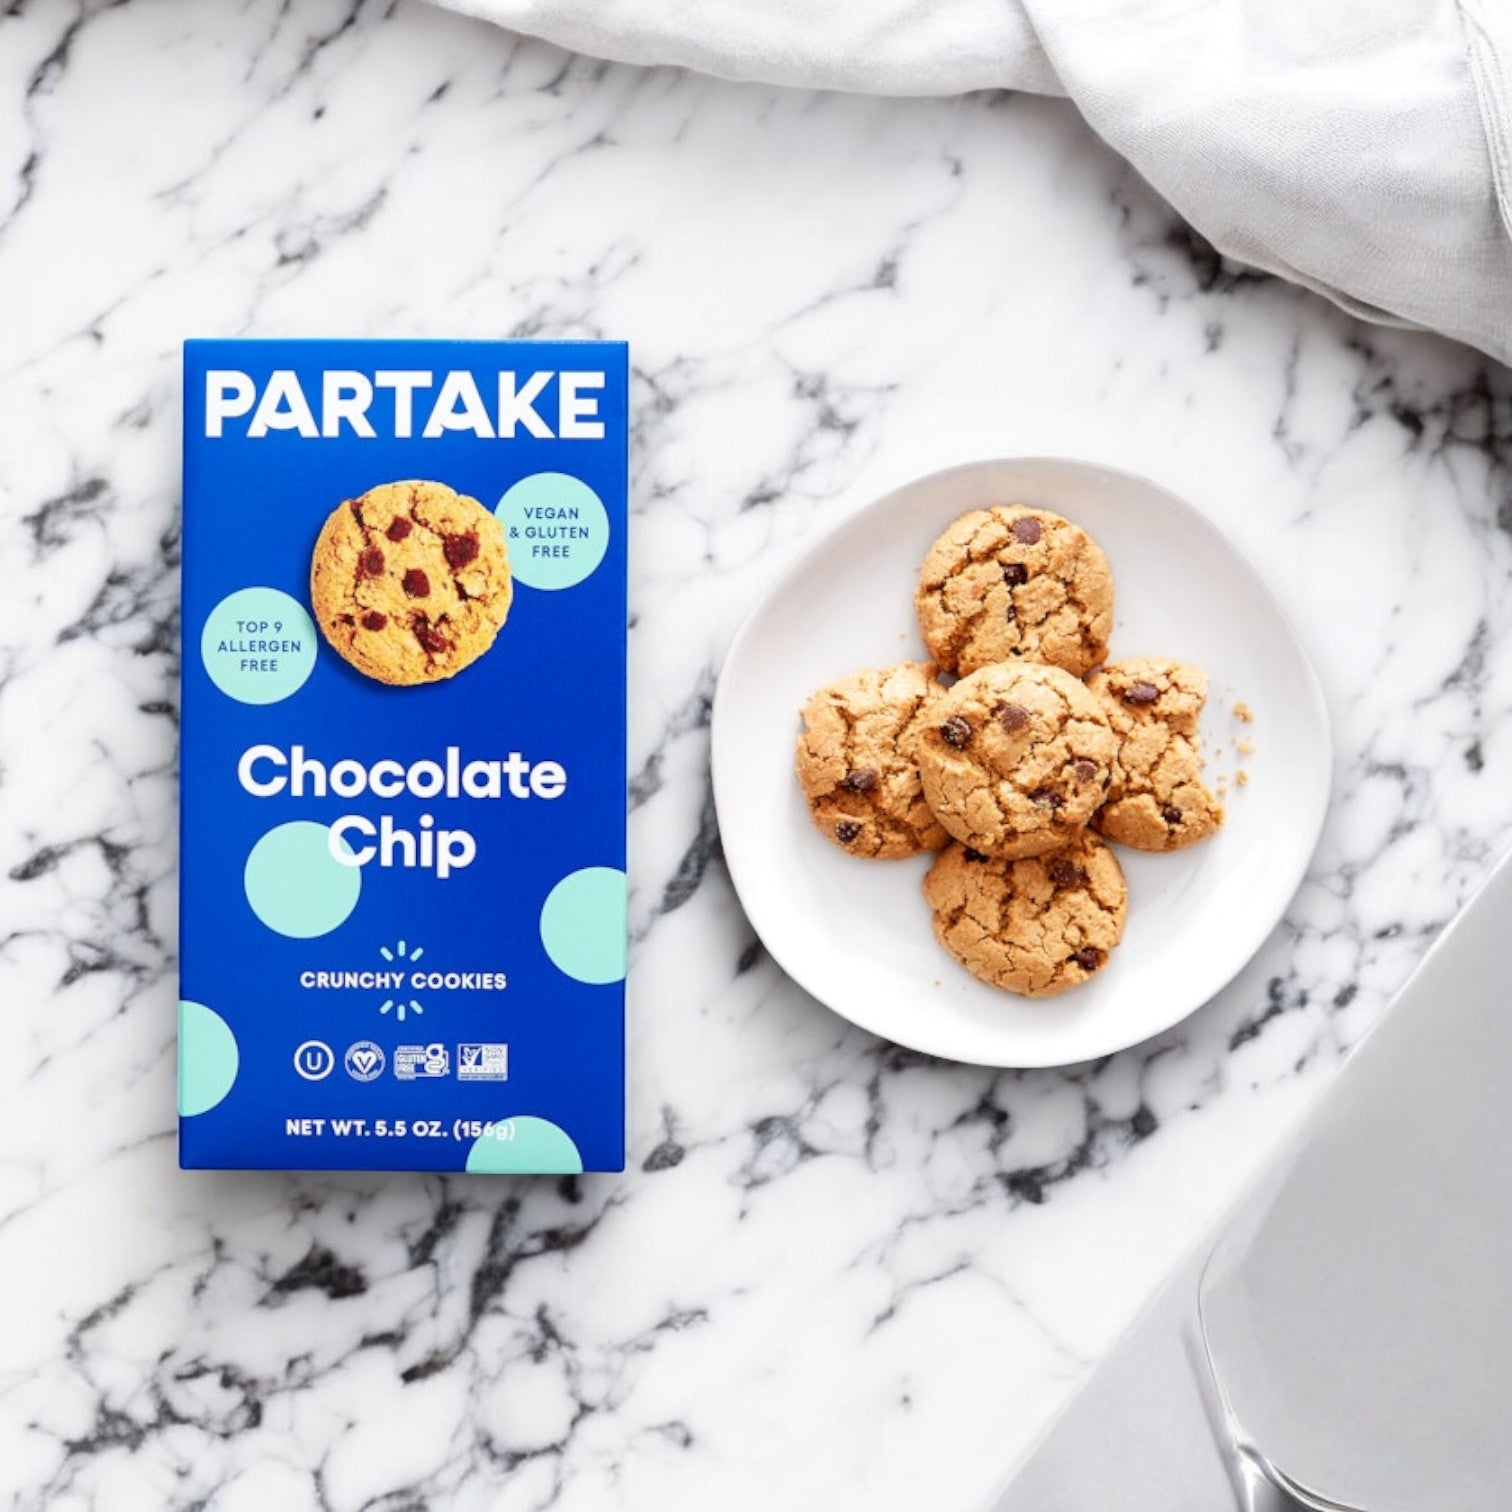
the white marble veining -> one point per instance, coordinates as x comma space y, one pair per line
837, 1274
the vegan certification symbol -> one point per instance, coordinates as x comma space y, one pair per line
365, 1061
314, 1060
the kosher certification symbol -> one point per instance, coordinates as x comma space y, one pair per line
314, 1060
365, 1061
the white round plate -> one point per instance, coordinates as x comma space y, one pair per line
856, 933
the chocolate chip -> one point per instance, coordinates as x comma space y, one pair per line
399, 527
460, 550
955, 731
1088, 958
1085, 770
1011, 615
416, 583
861, 780
1015, 574
1062, 872
430, 637
1027, 530
372, 620
1013, 717
846, 831
1171, 814
1046, 798
1142, 693
974, 855
370, 563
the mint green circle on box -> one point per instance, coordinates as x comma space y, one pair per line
258, 645
557, 530
207, 1058
524, 1145
296, 886
583, 925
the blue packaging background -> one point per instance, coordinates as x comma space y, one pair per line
552, 687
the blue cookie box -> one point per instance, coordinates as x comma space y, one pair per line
277, 1072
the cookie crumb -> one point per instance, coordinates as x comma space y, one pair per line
1242, 712
1242, 777
1245, 747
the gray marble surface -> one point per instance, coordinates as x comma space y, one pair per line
837, 1274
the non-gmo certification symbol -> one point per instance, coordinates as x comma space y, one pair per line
365, 1061
314, 1060
483, 1062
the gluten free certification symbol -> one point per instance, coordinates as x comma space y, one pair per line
421, 1062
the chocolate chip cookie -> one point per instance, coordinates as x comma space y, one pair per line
410, 582
1037, 926
1011, 581
1157, 800
1016, 758
858, 761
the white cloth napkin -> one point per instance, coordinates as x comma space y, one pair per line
1361, 147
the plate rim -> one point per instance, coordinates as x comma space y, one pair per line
1312, 684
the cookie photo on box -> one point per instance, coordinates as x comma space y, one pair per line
410, 582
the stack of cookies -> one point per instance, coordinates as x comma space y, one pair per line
1013, 752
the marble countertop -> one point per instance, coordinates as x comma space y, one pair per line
837, 1274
